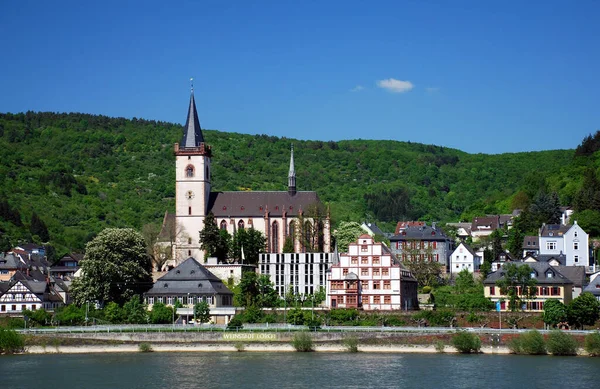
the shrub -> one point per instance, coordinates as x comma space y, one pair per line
561, 343
440, 346
531, 343
302, 342
235, 323
239, 346
350, 343
466, 342
427, 289
592, 344
11, 342
145, 347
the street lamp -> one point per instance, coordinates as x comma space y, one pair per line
188, 304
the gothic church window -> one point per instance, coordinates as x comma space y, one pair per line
275, 237
241, 225
223, 225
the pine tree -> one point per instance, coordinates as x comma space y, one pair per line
210, 236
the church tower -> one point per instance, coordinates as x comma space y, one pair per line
292, 175
192, 186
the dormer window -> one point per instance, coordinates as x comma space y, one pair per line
177, 271
549, 274
166, 285
532, 274
200, 285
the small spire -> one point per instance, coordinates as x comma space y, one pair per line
292, 175
192, 132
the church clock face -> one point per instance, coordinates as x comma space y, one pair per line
190, 194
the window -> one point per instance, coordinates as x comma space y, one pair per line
275, 237
387, 299
375, 284
575, 245
385, 272
364, 272
345, 272
189, 210
387, 285
150, 300
576, 258
376, 300
376, 271
550, 245
364, 284
575, 234
375, 260
354, 260
189, 240
189, 171
364, 248
364, 261
169, 300
223, 225
434, 245
492, 290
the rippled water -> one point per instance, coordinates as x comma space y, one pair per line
295, 370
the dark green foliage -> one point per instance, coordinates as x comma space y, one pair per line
38, 228
202, 312
253, 242
343, 316
583, 311
561, 343
390, 205
589, 145
70, 315
438, 318
255, 290
554, 312
161, 314
39, 317
82, 173
466, 342
135, 311
114, 313
235, 323
145, 347
303, 342
288, 245
210, 237
350, 342
466, 295
530, 343
592, 344
11, 342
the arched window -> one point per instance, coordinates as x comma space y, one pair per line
275, 237
189, 171
292, 231
189, 240
223, 225
308, 236
207, 178
241, 225
320, 238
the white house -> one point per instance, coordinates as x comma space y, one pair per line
464, 258
570, 240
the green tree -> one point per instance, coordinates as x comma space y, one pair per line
545, 208
517, 278
253, 243
114, 313
202, 312
135, 311
583, 311
5, 245
223, 246
210, 236
288, 245
38, 227
116, 267
554, 312
161, 314
496, 243
346, 233
486, 267
515, 242
254, 290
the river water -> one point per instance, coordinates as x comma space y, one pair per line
295, 370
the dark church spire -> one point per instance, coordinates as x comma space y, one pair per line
292, 175
192, 133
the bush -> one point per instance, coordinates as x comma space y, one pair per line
440, 346
239, 346
530, 343
561, 343
235, 323
350, 343
466, 342
426, 289
302, 342
145, 347
11, 342
592, 344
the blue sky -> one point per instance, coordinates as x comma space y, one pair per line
480, 76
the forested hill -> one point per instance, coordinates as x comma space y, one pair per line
81, 173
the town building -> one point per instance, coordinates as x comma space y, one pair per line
463, 258
277, 214
31, 289
531, 245
594, 286
570, 240
551, 284
67, 266
228, 272
303, 273
191, 283
420, 242
484, 226
369, 277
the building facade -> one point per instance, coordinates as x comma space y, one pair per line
277, 214
303, 273
570, 240
366, 277
463, 258
422, 243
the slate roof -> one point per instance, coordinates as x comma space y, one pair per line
427, 233
573, 273
255, 204
558, 230
10, 261
493, 222
192, 133
402, 225
541, 271
531, 242
467, 247
593, 287
189, 277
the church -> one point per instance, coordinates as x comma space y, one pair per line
274, 213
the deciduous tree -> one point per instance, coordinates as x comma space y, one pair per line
517, 284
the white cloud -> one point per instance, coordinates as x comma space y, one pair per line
357, 88
396, 86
